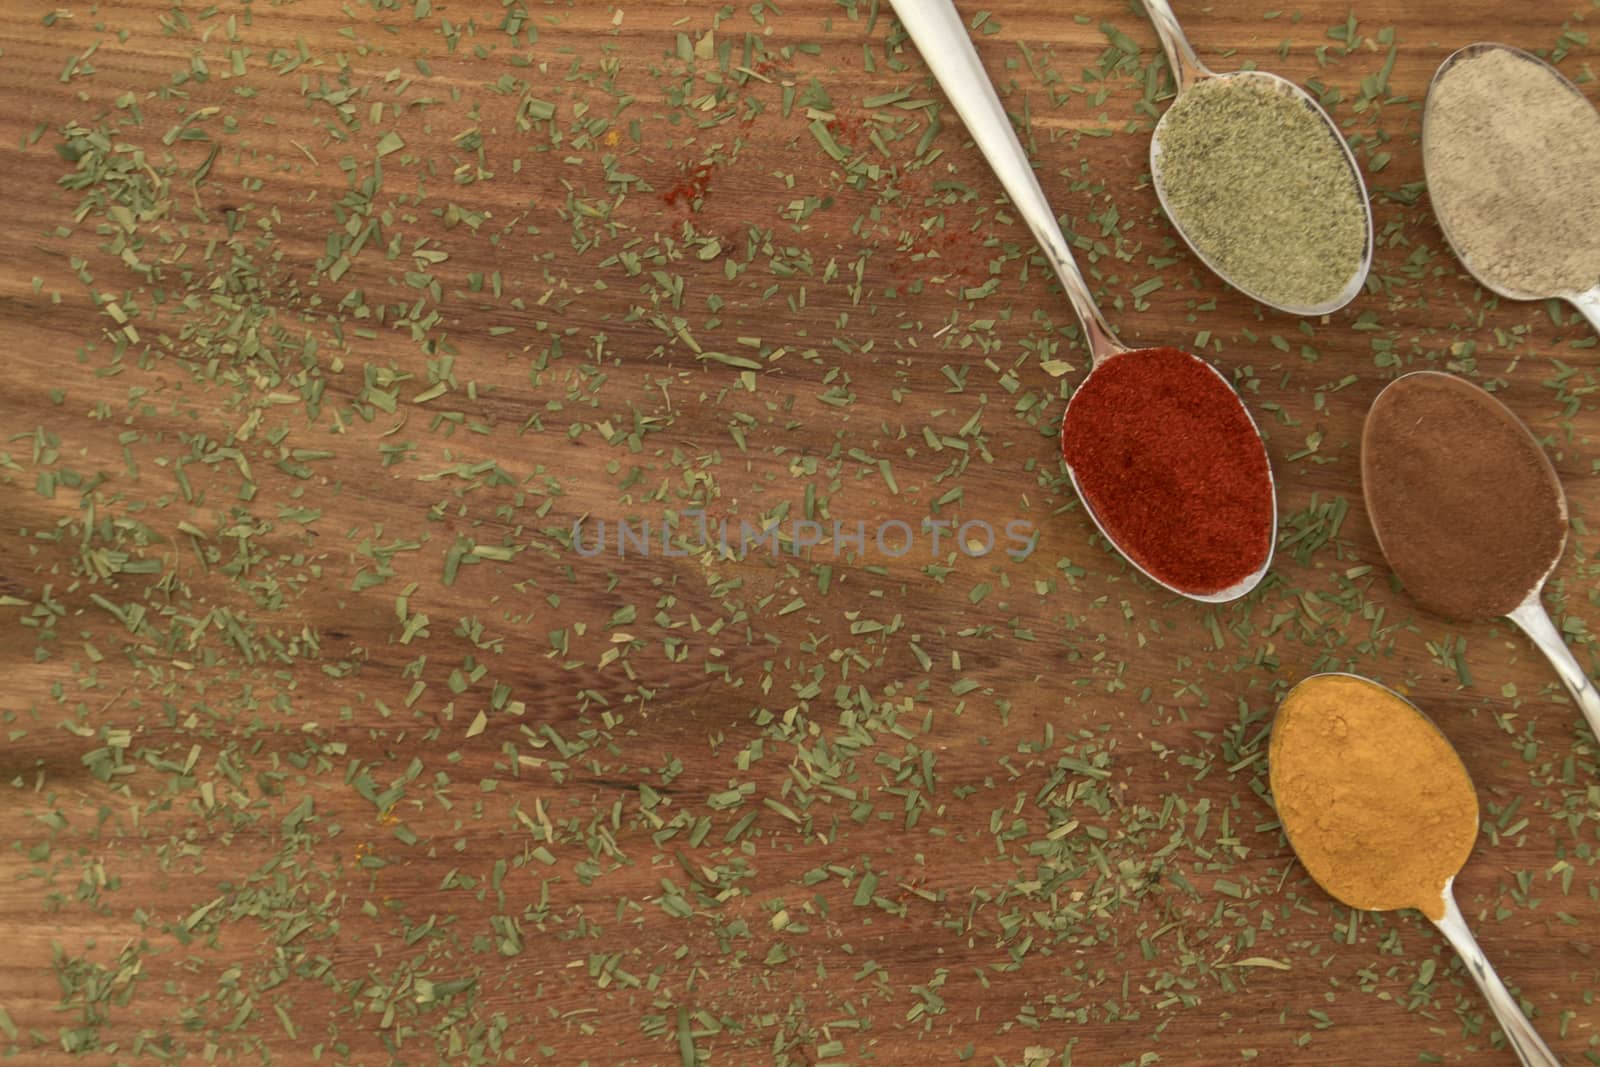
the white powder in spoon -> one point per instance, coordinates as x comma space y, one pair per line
1512, 155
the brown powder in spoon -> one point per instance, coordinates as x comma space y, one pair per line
1467, 509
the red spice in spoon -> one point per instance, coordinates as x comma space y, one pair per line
1173, 469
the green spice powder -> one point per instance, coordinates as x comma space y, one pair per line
1260, 186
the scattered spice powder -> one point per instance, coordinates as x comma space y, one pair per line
690, 188
849, 130
939, 232
1372, 797
1168, 460
1466, 507
1259, 183
1512, 156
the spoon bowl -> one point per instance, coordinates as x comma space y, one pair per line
1233, 590
936, 27
1586, 300
1312, 722
1189, 71
1529, 563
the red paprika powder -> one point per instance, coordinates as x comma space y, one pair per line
1168, 460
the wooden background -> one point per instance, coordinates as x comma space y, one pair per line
325, 321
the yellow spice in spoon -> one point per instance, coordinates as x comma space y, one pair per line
1373, 798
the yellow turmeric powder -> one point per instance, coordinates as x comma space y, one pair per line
1373, 798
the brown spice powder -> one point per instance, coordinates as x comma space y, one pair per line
1466, 507
1372, 796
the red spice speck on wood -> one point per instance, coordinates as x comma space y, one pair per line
848, 130
691, 187
1173, 469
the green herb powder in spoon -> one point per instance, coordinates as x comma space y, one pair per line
1262, 188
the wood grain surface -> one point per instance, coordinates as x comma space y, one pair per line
322, 742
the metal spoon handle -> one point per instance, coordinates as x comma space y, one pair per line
1588, 302
1535, 622
1186, 66
942, 38
1520, 1034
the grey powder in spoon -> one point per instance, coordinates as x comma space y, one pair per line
1513, 166
1262, 188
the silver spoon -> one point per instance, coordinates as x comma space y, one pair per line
1587, 301
940, 35
1529, 614
1520, 1034
1535, 622
1188, 70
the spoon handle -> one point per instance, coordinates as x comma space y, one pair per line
1588, 302
1535, 622
1520, 1034
1186, 66
942, 38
